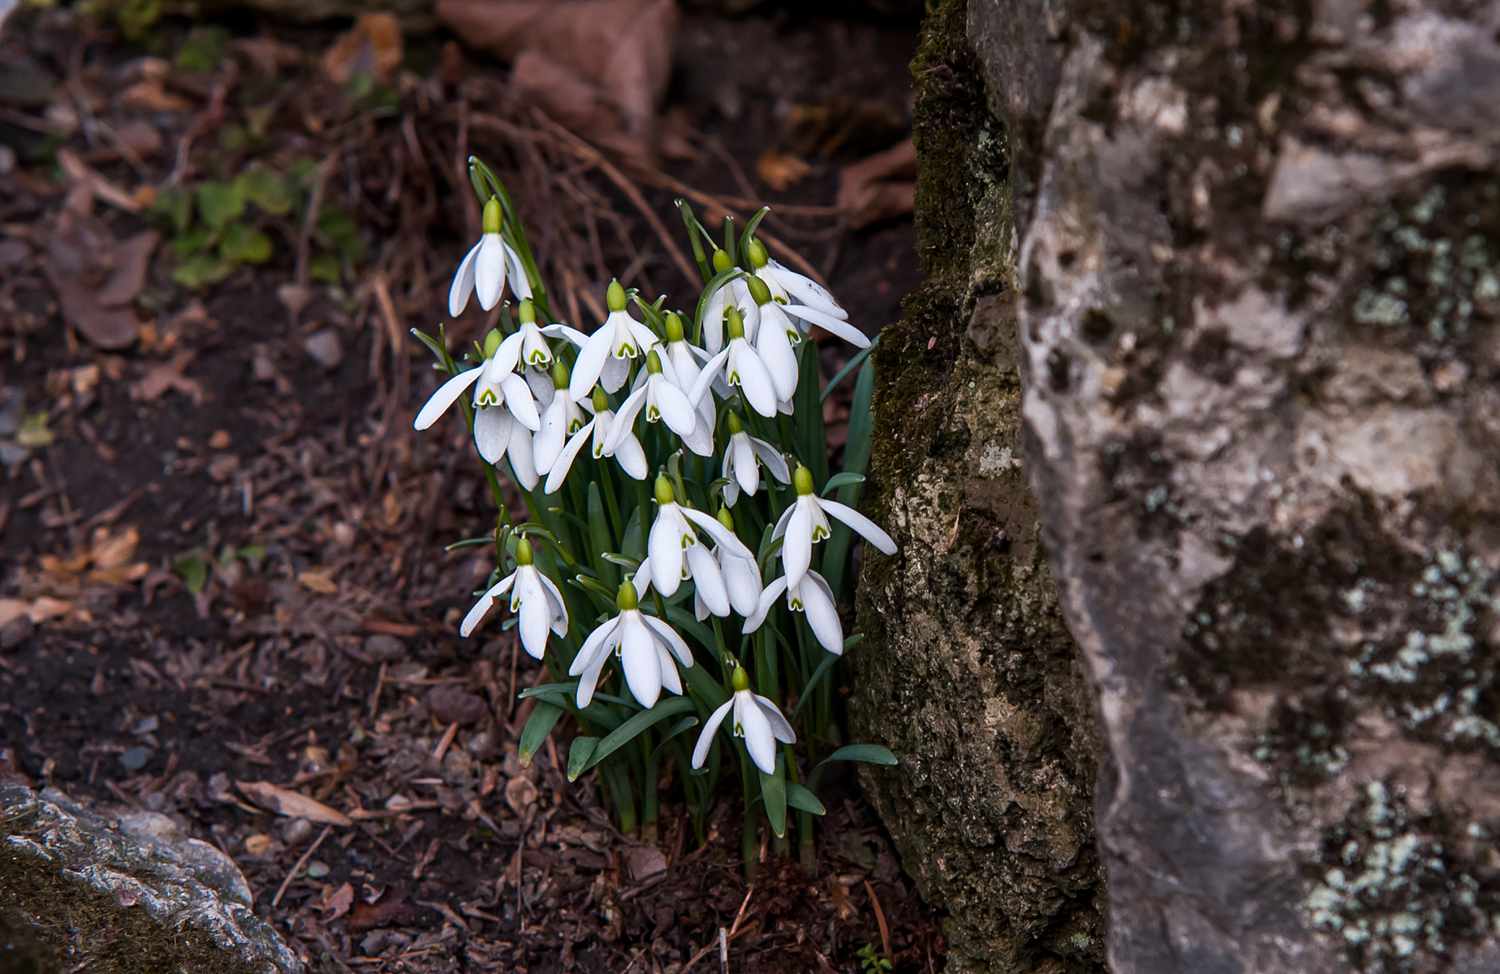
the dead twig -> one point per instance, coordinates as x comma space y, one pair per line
301, 861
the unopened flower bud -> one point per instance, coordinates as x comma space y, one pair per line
759, 293
755, 252
722, 262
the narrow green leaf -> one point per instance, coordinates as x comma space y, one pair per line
812, 439
849, 367
752, 226
630, 729
579, 753
538, 726
731, 242
802, 799
433, 345
864, 754
685, 724
845, 479
773, 790
719, 280
690, 220
856, 460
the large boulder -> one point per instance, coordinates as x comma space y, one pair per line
82, 892
969, 673
1258, 267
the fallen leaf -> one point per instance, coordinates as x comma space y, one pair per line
371, 47
319, 580
879, 187
393, 909
79, 172
131, 259
781, 171
338, 902
520, 793
151, 96
168, 376
644, 862
284, 801
83, 260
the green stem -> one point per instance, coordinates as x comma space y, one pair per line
648, 789
749, 827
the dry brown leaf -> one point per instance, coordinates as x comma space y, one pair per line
319, 580
131, 259
83, 262
79, 172
150, 95
284, 801
37, 610
338, 902
372, 47
168, 376
781, 171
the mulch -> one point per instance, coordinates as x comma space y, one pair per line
231, 542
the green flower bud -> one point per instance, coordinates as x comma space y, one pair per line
653, 362
735, 325
523, 552
802, 480
494, 217
725, 518
560, 374
492, 339
759, 293
601, 399
615, 296
755, 251
674, 327
740, 680
664, 493
734, 424
722, 262
625, 599
527, 312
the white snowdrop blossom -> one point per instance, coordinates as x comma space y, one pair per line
483, 270
801, 299
604, 356
740, 365
756, 719
645, 646
533, 597
733, 294
811, 596
561, 419
742, 459
628, 453
737, 577
661, 399
805, 523
672, 538
505, 411
683, 364
526, 346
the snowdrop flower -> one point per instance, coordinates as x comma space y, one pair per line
774, 340
619, 339
733, 294
532, 595
812, 596
628, 453
740, 579
756, 719
505, 411
645, 645
740, 365
682, 359
672, 537
806, 522
526, 346
814, 305
561, 419
741, 468
662, 400
483, 269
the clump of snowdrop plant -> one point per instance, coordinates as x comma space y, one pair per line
679, 575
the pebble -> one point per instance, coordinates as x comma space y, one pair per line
325, 348
298, 829
16, 632
317, 869
383, 648
451, 705
135, 758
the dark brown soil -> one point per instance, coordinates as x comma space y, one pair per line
319, 651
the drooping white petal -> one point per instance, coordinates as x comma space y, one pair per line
446, 395
463, 283
671, 681
559, 607
632, 458
796, 550
535, 351
492, 432
597, 644
669, 636
645, 339
710, 728
754, 379
775, 349
489, 270
549, 440
763, 605
779, 724
536, 619
708, 580
559, 330
505, 359
759, 740
518, 400
519, 450
519, 284
822, 614
806, 290
772, 458
862, 525
742, 580
624, 420
642, 579
589, 364
711, 368
664, 547
701, 439
746, 473
713, 320
684, 366
781, 522
638, 659
542, 389
558, 471
722, 536
614, 374
477, 613
676, 411
831, 324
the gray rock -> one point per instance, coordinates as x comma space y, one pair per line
76, 887
1258, 319
325, 348
16, 632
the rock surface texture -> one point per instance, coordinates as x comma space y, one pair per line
1259, 246
80, 892
968, 672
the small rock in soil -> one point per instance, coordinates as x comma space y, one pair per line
295, 831
384, 649
325, 348
16, 632
451, 705
135, 758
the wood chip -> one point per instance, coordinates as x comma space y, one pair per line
284, 801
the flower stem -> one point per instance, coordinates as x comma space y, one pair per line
749, 825
648, 790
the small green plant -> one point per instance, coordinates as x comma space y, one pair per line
671, 463
870, 961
